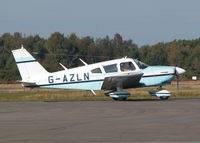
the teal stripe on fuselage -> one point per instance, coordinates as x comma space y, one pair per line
155, 80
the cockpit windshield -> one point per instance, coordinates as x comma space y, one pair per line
140, 64
127, 66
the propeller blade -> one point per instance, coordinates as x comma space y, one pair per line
177, 81
178, 71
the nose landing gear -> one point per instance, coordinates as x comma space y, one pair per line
161, 93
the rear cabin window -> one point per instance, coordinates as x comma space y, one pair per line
127, 66
97, 70
110, 68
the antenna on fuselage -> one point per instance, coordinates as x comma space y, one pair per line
83, 62
93, 92
63, 66
22, 47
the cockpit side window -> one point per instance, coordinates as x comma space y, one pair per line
110, 68
127, 66
96, 70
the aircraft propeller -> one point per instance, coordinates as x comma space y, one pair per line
178, 71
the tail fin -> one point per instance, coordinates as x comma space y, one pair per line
27, 65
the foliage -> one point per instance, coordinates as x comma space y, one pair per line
59, 48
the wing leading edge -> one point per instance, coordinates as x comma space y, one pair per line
122, 81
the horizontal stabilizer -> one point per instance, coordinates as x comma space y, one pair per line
27, 84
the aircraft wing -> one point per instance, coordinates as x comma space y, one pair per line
122, 81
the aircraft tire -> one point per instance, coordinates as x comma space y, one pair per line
124, 99
116, 99
119, 99
164, 97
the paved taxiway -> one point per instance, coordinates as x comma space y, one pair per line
100, 121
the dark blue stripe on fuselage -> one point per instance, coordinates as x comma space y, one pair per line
157, 75
25, 62
66, 83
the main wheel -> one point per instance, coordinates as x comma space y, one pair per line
119, 99
116, 99
124, 99
164, 97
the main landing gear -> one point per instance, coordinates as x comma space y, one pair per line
118, 95
123, 95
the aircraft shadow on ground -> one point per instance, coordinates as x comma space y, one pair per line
172, 99
144, 100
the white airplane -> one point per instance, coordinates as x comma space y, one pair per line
113, 75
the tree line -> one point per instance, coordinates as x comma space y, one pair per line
58, 48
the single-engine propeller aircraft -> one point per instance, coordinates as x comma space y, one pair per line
114, 75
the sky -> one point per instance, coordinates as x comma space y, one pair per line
142, 21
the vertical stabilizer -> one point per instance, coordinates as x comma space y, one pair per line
27, 65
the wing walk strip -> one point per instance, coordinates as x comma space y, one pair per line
91, 81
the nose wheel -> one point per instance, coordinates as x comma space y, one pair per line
164, 97
161, 93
